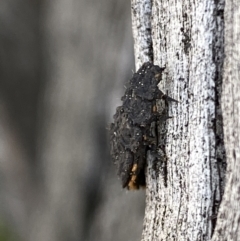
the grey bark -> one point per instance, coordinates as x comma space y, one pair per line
185, 188
141, 27
229, 214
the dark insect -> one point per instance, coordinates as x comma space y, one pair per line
131, 134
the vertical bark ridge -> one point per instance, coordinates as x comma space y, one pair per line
187, 39
141, 26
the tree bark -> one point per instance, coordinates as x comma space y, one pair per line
184, 189
229, 214
141, 26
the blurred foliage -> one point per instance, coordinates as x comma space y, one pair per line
7, 233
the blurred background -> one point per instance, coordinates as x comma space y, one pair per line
63, 65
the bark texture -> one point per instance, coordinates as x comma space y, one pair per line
141, 26
185, 188
229, 214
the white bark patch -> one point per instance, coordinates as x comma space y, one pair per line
184, 35
141, 25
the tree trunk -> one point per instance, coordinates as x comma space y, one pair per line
184, 189
229, 214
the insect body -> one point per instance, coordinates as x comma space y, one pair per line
131, 133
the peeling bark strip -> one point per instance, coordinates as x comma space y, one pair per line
141, 26
184, 191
